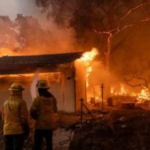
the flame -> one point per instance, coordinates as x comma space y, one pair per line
16, 75
122, 90
87, 58
42, 75
144, 93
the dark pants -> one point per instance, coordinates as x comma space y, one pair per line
13, 142
41, 135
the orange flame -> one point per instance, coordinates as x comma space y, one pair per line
122, 91
87, 58
144, 94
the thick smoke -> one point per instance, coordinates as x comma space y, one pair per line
24, 30
25, 36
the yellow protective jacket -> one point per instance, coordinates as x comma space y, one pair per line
43, 111
14, 115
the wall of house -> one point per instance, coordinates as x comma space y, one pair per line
80, 84
70, 94
61, 87
65, 95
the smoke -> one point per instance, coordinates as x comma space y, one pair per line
33, 86
56, 40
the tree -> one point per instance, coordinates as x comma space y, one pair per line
136, 72
131, 62
88, 18
98, 21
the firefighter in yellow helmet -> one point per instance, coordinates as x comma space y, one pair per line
15, 119
43, 111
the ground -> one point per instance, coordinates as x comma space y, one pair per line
114, 128
120, 129
61, 136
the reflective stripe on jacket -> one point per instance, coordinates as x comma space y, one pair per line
42, 110
15, 115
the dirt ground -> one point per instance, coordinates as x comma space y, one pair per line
61, 135
120, 129
114, 128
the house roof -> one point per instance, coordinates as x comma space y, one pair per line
28, 64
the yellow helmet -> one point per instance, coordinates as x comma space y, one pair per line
16, 87
42, 84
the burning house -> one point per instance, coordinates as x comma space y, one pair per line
67, 74
60, 70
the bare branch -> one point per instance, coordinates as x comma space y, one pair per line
127, 81
104, 10
130, 11
105, 32
131, 25
114, 32
135, 85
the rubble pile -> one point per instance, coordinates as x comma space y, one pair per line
122, 129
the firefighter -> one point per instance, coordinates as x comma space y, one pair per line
43, 111
15, 118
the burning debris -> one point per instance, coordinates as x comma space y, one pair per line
141, 98
120, 94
